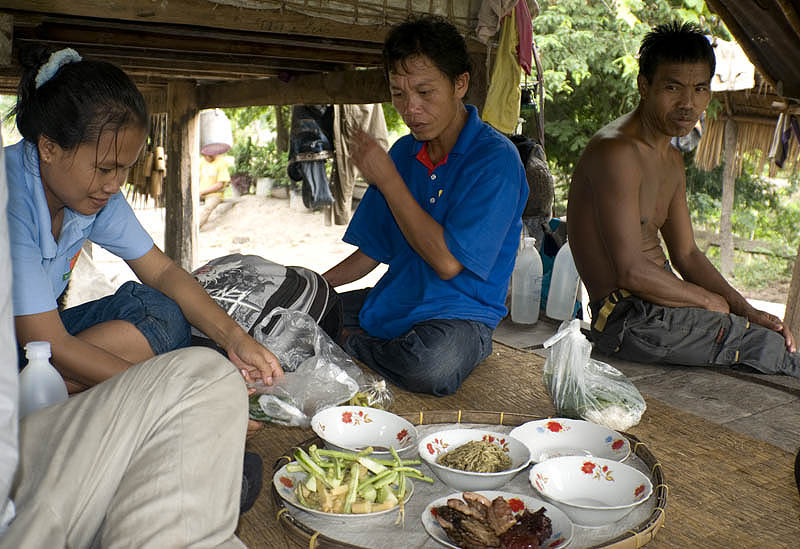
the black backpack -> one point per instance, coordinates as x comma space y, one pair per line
249, 287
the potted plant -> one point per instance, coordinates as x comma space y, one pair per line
242, 179
268, 167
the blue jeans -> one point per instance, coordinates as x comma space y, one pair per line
156, 316
434, 356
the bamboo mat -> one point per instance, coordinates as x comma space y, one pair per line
726, 489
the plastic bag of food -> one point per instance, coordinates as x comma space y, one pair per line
582, 387
318, 373
374, 393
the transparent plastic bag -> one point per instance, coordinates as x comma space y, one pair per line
582, 387
318, 373
374, 393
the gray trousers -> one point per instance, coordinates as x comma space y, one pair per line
151, 458
630, 328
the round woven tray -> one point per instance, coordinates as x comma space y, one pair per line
633, 538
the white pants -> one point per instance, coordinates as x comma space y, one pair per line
149, 458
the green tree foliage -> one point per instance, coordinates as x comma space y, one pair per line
251, 158
9, 128
761, 210
394, 122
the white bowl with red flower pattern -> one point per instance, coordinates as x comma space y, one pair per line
353, 428
441, 442
555, 437
592, 491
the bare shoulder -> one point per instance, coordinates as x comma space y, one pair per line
611, 156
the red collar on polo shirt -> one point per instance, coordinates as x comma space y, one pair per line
425, 159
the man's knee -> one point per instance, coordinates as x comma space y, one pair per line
436, 369
441, 354
204, 364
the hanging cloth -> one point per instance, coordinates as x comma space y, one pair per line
525, 36
781, 139
368, 117
503, 99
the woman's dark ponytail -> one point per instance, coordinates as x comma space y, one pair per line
79, 102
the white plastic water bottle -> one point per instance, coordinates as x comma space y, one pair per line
40, 384
526, 284
563, 286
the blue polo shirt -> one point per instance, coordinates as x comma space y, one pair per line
41, 266
477, 195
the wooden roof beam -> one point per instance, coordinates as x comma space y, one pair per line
236, 65
78, 36
342, 87
206, 14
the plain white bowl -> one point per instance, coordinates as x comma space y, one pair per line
554, 437
592, 491
353, 428
440, 442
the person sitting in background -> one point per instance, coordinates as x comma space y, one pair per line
214, 178
150, 458
629, 185
83, 124
444, 211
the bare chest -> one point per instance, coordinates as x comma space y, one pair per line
655, 195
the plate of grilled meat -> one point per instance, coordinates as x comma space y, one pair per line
496, 519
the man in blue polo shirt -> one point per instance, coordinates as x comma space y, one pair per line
443, 211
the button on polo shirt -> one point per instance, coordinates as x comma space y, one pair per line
477, 194
424, 158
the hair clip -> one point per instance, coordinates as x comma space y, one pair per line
57, 60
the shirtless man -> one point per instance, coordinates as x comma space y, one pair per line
630, 184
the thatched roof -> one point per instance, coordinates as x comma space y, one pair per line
769, 32
756, 112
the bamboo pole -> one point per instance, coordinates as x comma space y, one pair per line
728, 182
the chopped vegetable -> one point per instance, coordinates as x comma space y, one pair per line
343, 482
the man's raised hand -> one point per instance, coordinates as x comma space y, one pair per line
373, 162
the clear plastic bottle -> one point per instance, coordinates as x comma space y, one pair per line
40, 384
526, 283
563, 286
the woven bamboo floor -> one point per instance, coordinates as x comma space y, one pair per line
725, 489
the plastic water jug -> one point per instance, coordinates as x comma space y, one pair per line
40, 384
526, 283
563, 286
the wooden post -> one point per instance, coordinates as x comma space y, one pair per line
791, 318
282, 130
180, 235
726, 210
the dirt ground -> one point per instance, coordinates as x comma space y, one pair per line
775, 293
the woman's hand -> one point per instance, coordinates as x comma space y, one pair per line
254, 360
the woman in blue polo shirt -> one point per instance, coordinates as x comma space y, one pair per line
84, 124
